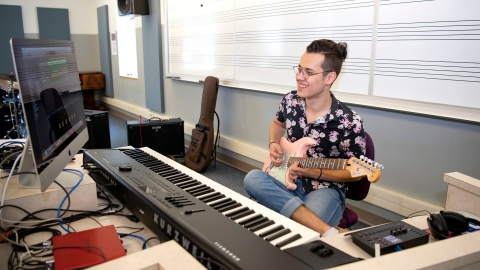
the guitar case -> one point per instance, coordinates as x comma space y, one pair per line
200, 151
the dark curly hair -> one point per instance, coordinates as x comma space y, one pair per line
335, 53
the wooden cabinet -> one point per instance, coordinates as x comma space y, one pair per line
91, 81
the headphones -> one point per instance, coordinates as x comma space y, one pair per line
441, 224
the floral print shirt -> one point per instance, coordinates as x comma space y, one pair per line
339, 134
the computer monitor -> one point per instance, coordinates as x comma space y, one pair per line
52, 103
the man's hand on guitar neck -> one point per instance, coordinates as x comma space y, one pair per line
296, 171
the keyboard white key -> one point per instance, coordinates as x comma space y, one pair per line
307, 235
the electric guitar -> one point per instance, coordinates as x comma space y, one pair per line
293, 152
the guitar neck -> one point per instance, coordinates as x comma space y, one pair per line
320, 163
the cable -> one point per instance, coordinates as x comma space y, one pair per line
137, 230
71, 190
411, 215
67, 195
144, 246
11, 142
8, 158
6, 184
216, 143
132, 235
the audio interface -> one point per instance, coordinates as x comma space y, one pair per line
391, 237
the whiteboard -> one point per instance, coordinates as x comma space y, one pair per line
415, 56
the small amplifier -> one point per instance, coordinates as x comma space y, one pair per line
166, 136
391, 237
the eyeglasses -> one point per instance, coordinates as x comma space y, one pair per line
307, 74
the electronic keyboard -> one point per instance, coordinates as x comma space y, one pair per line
209, 220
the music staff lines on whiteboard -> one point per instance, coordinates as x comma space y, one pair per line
433, 70
433, 30
353, 65
181, 4
224, 38
223, 60
297, 7
270, 10
395, 2
219, 17
344, 33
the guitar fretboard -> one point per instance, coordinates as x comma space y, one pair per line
320, 163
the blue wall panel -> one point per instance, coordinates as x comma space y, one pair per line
104, 45
11, 25
152, 58
53, 23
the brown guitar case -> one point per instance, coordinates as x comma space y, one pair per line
200, 151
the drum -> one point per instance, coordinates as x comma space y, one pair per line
11, 126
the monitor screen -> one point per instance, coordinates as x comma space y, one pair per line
52, 103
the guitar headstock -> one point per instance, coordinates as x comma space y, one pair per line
364, 166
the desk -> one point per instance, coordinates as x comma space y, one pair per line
174, 256
457, 252
463, 193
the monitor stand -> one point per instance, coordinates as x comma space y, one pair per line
30, 178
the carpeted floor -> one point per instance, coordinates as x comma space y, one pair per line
220, 172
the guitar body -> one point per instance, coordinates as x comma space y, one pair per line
296, 149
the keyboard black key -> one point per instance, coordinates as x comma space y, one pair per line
180, 180
278, 234
272, 230
177, 177
244, 214
255, 222
201, 190
250, 219
189, 185
220, 202
226, 200
237, 212
224, 204
229, 207
261, 226
211, 199
184, 183
288, 240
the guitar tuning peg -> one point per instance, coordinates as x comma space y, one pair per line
362, 157
379, 166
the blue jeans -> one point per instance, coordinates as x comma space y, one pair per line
327, 203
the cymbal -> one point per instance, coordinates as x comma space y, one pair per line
8, 77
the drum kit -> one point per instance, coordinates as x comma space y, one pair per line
12, 123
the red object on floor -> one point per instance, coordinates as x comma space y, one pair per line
79, 249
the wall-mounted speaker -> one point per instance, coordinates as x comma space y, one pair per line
128, 7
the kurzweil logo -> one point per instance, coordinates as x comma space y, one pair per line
157, 127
